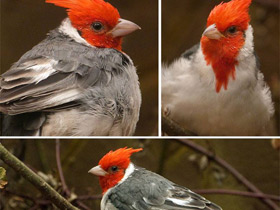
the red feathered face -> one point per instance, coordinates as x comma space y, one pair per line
96, 21
224, 37
115, 163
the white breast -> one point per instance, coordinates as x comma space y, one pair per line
188, 93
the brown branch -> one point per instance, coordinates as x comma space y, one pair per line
238, 193
9, 192
171, 128
232, 170
82, 205
40, 202
89, 197
59, 168
36, 202
61, 175
34, 179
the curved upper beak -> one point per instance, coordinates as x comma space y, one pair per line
212, 32
123, 28
97, 171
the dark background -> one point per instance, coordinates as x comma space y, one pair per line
24, 23
183, 22
256, 160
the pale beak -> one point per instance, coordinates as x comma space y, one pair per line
97, 171
123, 28
212, 32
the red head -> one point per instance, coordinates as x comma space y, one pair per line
97, 21
224, 37
112, 166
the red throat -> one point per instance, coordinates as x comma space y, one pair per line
223, 58
109, 181
222, 53
119, 158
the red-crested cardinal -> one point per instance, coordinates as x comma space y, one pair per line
216, 87
127, 187
77, 81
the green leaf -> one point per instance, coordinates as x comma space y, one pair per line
3, 182
2, 173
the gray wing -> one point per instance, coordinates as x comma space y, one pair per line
145, 190
55, 74
183, 198
189, 52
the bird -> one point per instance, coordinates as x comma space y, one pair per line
77, 81
126, 186
216, 88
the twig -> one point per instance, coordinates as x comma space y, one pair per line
42, 155
232, 170
61, 175
36, 202
6, 191
236, 192
40, 202
82, 205
89, 197
60, 172
173, 129
36, 180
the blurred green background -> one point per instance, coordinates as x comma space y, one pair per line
255, 159
24, 23
183, 22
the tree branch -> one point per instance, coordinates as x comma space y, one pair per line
9, 192
59, 168
61, 175
89, 197
42, 156
232, 170
36, 180
37, 202
171, 128
238, 193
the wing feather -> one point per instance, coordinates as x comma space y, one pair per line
55, 74
43, 83
154, 192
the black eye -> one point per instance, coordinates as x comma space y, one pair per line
97, 26
232, 29
114, 168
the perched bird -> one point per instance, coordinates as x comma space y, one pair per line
78, 81
216, 87
126, 186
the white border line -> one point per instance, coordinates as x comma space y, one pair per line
159, 67
159, 111
139, 137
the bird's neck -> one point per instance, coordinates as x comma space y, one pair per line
67, 29
108, 182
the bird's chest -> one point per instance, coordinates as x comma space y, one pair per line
235, 111
117, 101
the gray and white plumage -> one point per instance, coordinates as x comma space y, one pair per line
64, 86
190, 99
141, 189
